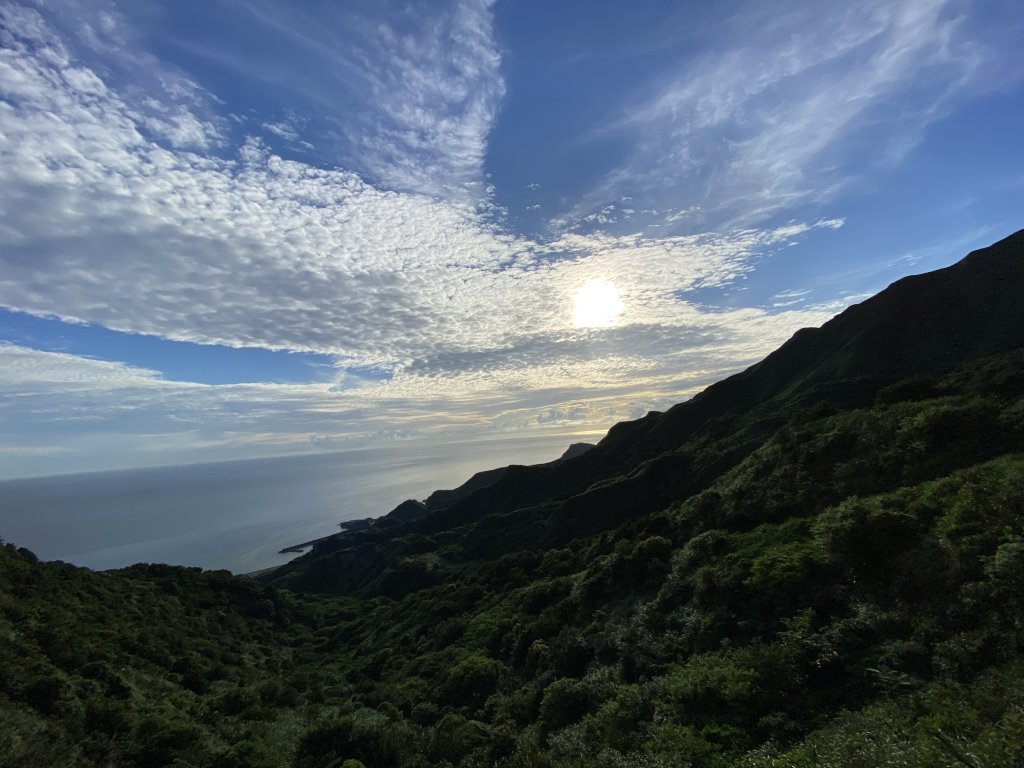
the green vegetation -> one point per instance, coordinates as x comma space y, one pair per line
825, 574
851, 593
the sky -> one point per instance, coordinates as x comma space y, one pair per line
237, 229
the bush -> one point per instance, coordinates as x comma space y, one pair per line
565, 701
472, 680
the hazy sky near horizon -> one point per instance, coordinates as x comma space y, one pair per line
233, 229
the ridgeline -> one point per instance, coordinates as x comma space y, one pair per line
816, 562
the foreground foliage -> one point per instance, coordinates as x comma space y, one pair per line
817, 562
851, 593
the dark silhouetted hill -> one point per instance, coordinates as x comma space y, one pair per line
818, 561
922, 326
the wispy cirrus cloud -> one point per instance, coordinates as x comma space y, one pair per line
406, 96
437, 100
794, 101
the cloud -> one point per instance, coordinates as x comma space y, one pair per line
790, 297
794, 100
283, 130
405, 97
99, 223
437, 99
103, 414
172, 230
166, 105
25, 367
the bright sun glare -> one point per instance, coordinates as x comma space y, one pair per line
596, 305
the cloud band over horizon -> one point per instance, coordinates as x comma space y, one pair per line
373, 234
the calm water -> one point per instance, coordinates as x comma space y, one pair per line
236, 515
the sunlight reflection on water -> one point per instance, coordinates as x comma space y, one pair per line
237, 515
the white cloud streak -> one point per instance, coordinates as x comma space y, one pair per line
788, 103
406, 97
437, 100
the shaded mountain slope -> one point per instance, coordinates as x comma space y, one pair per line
921, 326
819, 562
853, 586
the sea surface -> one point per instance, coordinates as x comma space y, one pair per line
237, 515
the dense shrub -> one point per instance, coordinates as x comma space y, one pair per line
839, 586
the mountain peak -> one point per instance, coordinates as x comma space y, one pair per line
574, 450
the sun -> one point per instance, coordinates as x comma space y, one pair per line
596, 305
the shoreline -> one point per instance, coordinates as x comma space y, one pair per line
300, 548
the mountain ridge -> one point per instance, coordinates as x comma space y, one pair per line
816, 562
639, 463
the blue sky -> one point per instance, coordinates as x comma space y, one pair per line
233, 229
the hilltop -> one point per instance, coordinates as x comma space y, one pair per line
908, 336
817, 561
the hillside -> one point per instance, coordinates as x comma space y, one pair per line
818, 561
920, 327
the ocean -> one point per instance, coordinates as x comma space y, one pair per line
236, 515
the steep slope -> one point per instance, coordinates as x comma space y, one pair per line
824, 567
852, 587
920, 326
